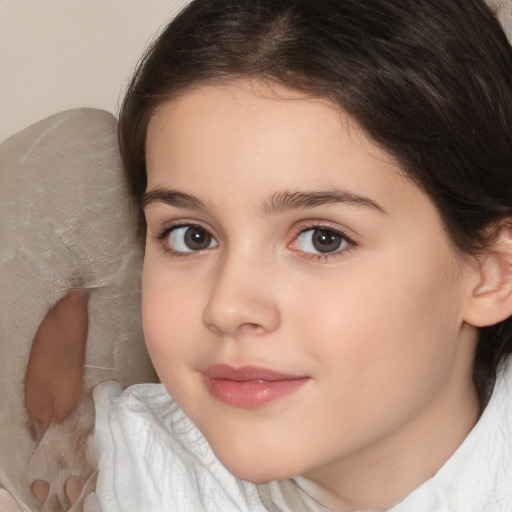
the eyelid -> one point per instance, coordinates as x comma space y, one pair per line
301, 227
164, 227
308, 225
164, 232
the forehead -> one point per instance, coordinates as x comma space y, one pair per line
237, 147
272, 105
241, 130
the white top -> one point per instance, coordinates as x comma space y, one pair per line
154, 459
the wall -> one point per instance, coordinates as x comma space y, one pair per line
61, 54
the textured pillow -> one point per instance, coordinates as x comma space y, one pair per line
504, 12
69, 303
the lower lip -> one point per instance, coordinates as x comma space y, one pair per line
252, 394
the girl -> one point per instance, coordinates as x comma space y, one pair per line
325, 199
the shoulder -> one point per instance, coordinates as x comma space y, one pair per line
152, 457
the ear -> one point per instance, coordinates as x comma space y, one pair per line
491, 300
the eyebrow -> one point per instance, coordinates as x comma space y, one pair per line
285, 201
279, 202
172, 198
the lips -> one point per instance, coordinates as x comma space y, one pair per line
249, 387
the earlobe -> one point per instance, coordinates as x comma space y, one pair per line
491, 300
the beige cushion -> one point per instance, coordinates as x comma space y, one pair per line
65, 223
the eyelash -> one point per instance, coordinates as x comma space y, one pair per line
172, 252
318, 225
351, 244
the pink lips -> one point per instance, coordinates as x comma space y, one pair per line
249, 387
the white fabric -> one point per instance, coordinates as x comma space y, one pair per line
154, 459
478, 476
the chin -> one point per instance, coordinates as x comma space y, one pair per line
259, 476
256, 470
258, 455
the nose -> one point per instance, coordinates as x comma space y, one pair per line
242, 299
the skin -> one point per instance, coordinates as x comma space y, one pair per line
378, 326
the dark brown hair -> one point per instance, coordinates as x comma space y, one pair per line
428, 80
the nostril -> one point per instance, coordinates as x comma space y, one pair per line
244, 327
213, 328
252, 329
246, 308
251, 326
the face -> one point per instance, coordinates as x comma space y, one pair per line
301, 300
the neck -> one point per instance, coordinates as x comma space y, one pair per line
385, 472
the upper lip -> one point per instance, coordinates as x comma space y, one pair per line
246, 373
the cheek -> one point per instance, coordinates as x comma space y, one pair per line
170, 314
393, 323
382, 347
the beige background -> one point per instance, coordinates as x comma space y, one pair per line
61, 54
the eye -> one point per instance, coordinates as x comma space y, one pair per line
188, 239
321, 241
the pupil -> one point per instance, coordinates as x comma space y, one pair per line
326, 241
197, 239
